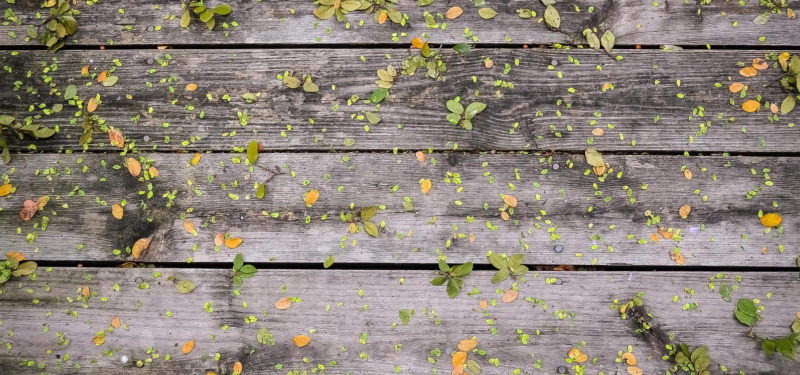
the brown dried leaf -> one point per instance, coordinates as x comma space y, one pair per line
134, 167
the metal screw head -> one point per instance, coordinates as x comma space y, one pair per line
150, 61
150, 28
556, 166
554, 62
558, 281
559, 248
562, 370
241, 215
146, 138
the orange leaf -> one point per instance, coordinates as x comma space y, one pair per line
771, 220
467, 345
678, 258
219, 239
115, 322
685, 210
751, 106
425, 185
454, 12
748, 71
459, 358
654, 237
29, 209
301, 340
687, 173
760, 63
484, 304
91, 105
311, 197
237, 367
488, 63
510, 200
86, 292
382, 18
233, 243
420, 156
736, 87
510, 296
5, 189
187, 347
189, 227
102, 76
504, 216
134, 167
417, 43
139, 247
85, 71
629, 358
116, 137
195, 159
633, 370
283, 303
191, 87
15, 255
773, 108
153, 172
117, 211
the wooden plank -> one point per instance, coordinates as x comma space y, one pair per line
558, 205
368, 302
290, 22
637, 115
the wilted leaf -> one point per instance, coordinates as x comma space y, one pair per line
685, 210
233, 243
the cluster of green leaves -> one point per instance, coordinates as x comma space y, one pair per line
463, 117
203, 13
265, 337
791, 79
386, 77
379, 7
21, 129
241, 270
12, 267
327, 8
747, 313
694, 361
606, 41
453, 275
91, 124
365, 217
293, 82
58, 26
507, 266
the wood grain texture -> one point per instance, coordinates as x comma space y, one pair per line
643, 112
594, 221
292, 22
160, 320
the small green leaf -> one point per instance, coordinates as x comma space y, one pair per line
371, 228
725, 292
372, 117
184, 286
6, 120
252, 152
262, 190
367, 213
466, 124
222, 9
70, 92
237, 280
461, 48
487, 13
500, 275
405, 316
238, 261
473, 109
328, 262
455, 107
378, 95
438, 280
453, 118
461, 270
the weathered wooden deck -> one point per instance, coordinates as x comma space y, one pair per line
671, 131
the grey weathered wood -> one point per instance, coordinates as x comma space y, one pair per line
417, 103
724, 231
368, 302
273, 22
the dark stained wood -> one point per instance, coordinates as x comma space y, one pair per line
292, 22
722, 231
369, 302
549, 117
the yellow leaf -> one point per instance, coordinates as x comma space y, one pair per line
459, 358
751, 106
311, 197
15, 255
510, 200
191, 87
140, 246
629, 358
86, 292
134, 167
116, 138
425, 185
454, 12
783, 59
771, 220
5, 189
117, 211
85, 71
195, 159
187, 347
748, 71
301, 340
99, 340
417, 43
467, 345
687, 173
283, 303
233, 243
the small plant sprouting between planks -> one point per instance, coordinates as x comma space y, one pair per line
241, 270
365, 217
21, 129
746, 312
12, 267
382, 10
507, 266
203, 13
58, 26
453, 275
693, 361
463, 117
